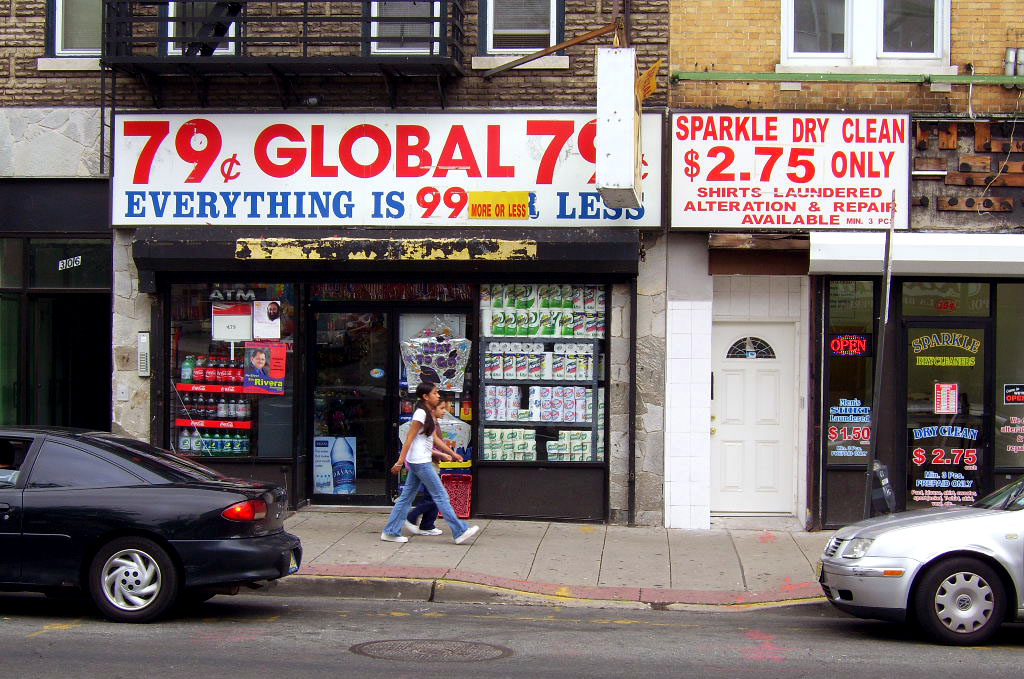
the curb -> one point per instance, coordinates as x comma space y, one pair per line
441, 585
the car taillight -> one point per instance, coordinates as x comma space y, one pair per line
250, 510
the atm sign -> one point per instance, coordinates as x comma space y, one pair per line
850, 345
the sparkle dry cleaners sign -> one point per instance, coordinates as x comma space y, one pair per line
466, 169
790, 170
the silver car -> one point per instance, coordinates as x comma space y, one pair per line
957, 572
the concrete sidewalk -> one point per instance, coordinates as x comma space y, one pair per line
556, 563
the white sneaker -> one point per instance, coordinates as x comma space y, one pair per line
432, 531
412, 528
394, 538
467, 534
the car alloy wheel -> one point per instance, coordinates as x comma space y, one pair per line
132, 579
961, 601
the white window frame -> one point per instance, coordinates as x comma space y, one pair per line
864, 48
230, 49
58, 36
434, 48
552, 32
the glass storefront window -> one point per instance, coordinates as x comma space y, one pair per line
232, 369
9, 358
391, 292
69, 263
849, 352
945, 414
10, 263
945, 298
1009, 377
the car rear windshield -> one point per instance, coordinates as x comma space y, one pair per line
163, 464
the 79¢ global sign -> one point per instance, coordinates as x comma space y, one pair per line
790, 170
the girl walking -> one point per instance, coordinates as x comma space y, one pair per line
417, 454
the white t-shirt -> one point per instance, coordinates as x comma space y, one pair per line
422, 447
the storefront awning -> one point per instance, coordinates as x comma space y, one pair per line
918, 253
391, 251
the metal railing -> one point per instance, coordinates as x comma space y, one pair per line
205, 30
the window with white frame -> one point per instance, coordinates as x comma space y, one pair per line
205, 27
408, 26
77, 28
520, 26
866, 35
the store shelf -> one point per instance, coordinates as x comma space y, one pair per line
536, 463
533, 423
543, 383
212, 388
213, 424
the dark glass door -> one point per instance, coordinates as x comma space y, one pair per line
69, 363
352, 417
947, 409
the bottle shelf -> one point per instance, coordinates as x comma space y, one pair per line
211, 388
534, 423
213, 424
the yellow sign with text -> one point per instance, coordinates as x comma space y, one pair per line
499, 204
647, 82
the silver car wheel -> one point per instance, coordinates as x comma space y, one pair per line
131, 580
964, 602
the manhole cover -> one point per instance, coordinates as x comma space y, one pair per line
432, 650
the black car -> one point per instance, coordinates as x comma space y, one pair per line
134, 526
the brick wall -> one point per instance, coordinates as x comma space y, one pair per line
745, 36
23, 31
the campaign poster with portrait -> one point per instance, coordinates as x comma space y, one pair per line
265, 368
266, 320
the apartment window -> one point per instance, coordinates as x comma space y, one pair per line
77, 26
520, 26
204, 27
405, 26
878, 35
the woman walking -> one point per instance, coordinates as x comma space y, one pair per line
417, 454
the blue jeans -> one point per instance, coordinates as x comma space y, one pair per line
424, 475
425, 513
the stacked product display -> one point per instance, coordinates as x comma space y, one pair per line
543, 395
212, 414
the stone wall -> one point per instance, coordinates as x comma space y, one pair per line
50, 142
650, 392
132, 314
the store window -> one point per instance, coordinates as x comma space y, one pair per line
1009, 377
543, 377
946, 298
232, 369
849, 360
887, 35
77, 27
520, 26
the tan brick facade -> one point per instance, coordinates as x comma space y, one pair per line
745, 36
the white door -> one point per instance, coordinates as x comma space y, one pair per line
752, 418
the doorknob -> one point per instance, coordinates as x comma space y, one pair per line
714, 430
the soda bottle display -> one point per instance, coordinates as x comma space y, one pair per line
199, 370
197, 443
188, 368
343, 467
222, 408
185, 441
245, 443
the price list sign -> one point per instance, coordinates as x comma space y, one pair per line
790, 171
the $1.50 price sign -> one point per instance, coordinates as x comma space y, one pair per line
514, 169
790, 171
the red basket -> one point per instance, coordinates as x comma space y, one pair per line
460, 492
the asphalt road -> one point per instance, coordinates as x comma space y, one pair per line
270, 637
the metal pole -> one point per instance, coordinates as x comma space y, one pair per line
876, 380
631, 444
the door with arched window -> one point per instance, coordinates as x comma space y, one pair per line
753, 405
